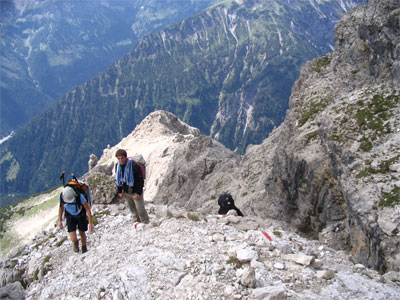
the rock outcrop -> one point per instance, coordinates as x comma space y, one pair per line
178, 161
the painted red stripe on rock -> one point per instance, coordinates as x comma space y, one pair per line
266, 235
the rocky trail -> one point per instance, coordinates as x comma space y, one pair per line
187, 255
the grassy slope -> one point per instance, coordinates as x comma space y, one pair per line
21, 221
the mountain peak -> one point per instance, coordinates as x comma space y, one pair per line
156, 131
163, 123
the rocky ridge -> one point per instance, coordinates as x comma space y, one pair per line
336, 166
179, 160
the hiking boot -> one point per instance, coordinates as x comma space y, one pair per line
76, 246
84, 249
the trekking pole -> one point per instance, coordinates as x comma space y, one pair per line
74, 177
63, 177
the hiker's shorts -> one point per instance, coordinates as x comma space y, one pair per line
77, 222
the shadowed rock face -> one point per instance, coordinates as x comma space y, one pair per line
332, 166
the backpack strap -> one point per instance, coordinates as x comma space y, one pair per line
141, 165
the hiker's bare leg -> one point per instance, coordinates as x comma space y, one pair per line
83, 237
74, 240
73, 236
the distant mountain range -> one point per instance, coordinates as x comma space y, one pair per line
227, 71
48, 47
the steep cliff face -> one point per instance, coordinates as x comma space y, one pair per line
332, 168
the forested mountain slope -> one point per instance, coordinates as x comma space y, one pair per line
49, 46
227, 71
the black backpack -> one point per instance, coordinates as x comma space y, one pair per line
226, 203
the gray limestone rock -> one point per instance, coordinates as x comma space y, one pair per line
12, 291
248, 278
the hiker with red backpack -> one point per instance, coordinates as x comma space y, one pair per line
78, 215
130, 182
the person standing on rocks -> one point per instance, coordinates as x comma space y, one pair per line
130, 183
78, 215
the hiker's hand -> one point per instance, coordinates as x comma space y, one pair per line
60, 224
121, 195
91, 227
135, 197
